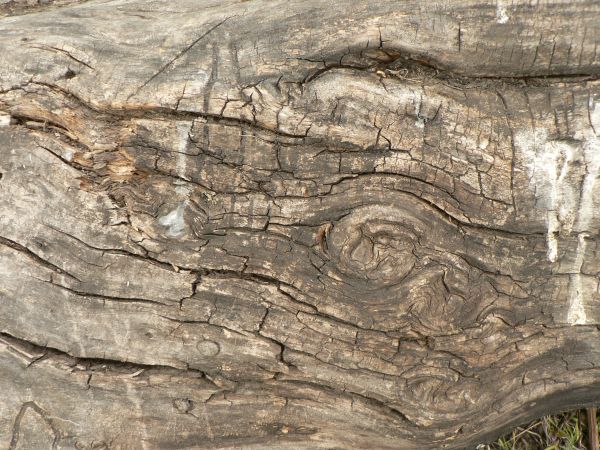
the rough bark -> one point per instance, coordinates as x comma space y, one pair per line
296, 224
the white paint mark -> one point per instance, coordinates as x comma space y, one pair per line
174, 220
4, 119
420, 122
576, 314
68, 154
501, 15
589, 205
551, 240
557, 169
548, 164
594, 116
588, 209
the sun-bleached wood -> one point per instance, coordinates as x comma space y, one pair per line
296, 224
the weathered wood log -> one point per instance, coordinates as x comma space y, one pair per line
296, 224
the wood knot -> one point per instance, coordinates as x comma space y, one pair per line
208, 348
183, 405
375, 244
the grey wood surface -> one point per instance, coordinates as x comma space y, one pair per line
296, 224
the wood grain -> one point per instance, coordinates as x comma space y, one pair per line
296, 224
